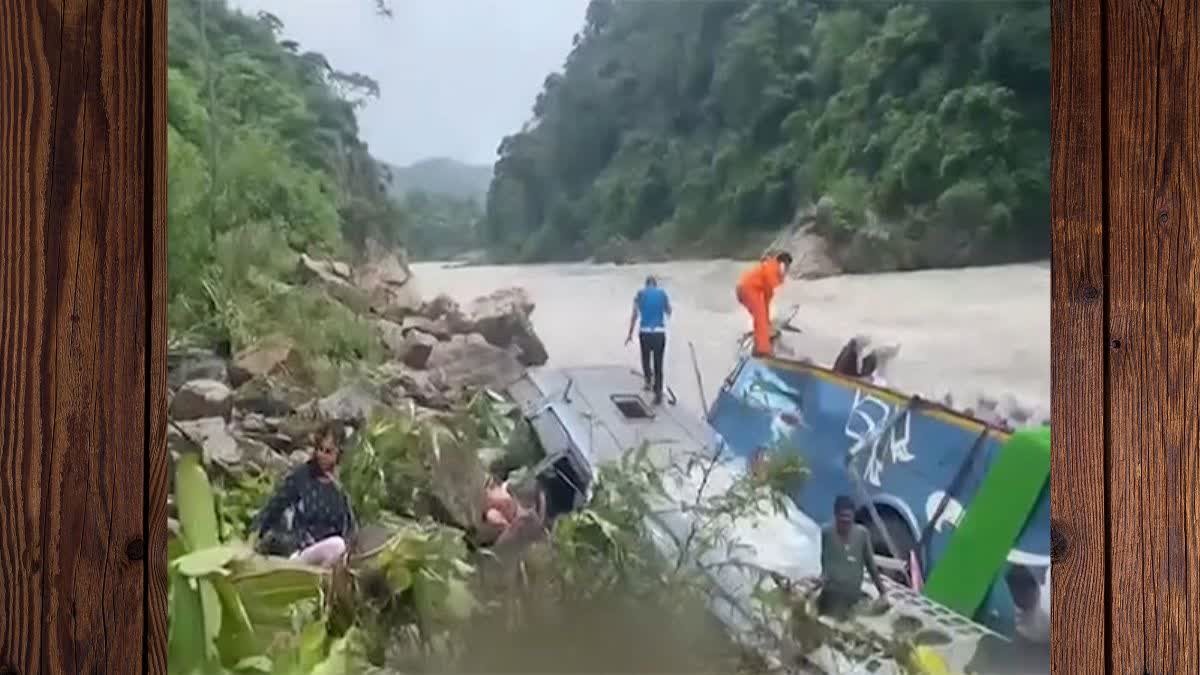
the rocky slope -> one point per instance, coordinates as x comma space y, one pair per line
253, 411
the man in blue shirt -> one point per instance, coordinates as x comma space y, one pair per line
653, 307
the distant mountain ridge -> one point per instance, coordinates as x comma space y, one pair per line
443, 176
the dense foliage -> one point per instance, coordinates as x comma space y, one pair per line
424, 601
444, 201
445, 226
264, 161
702, 126
441, 175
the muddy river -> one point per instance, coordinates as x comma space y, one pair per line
980, 331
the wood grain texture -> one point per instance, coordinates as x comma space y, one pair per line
156, 442
1077, 490
1154, 375
75, 250
156, 393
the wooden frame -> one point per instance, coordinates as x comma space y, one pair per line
83, 472
1078, 463
1125, 283
83, 336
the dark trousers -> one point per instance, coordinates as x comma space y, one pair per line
653, 346
838, 603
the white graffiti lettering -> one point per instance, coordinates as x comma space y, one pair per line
866, 415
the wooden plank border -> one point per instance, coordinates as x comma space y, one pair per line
82, 337
1153, 259
1078, 294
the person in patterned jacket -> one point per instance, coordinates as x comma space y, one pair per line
309, 517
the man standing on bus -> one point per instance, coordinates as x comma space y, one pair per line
652, 306
754, 291
845, 551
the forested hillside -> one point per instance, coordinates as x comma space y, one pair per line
920, 129
264, 162
444, 201
441, 176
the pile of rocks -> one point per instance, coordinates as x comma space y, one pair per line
1006, 412
256, 409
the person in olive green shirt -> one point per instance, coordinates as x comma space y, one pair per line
845, 551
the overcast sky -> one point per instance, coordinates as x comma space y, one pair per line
455, 76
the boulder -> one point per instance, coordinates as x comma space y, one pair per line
446, 311
435, 327
812, 255
254, 422
502, 318
457, 492
411, 347
271, 356
216, 444
277, 441
439, 307
195, 364
337, 280
425, 389
199, 399
392, 336
500, 300
418, 348
259, 455
353, 402
269, 396
389, 286
265, 430
470, 361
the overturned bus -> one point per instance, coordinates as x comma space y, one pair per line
956, 505
959, 509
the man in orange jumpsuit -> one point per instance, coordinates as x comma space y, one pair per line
755, 290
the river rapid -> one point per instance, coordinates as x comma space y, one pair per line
969, 332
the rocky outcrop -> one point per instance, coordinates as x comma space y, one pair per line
202, 398
470, 361
502, 318
811, 254
273, 356
336, 278
195, 364
257, 410
389, 285
411, 346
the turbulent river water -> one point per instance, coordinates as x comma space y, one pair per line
969, 332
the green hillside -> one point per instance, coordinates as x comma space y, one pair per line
922, 129
441, 176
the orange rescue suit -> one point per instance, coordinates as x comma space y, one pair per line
755, 290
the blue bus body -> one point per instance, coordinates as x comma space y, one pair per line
794, 407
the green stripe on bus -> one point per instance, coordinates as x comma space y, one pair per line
980, 545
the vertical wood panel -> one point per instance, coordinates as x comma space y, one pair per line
74, 346
156, 394
1077, 339
1154, 238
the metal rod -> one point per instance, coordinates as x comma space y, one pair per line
699, 379
884, 428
